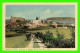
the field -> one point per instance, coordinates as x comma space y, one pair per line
12, 34
17, 41
66, 32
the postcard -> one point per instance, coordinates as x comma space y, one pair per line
40, 26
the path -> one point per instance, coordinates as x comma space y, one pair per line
30, 44
36, 44
41, 45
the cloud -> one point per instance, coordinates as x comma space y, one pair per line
38, 12
57, 13
18, 14
26, 14
45, 14
48, 13
32, 12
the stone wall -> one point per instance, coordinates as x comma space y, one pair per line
13, 19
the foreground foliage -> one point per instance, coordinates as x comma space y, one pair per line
57, 43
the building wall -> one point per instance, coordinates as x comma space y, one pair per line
13, 19
36, 22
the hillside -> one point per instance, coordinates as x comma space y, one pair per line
60, 18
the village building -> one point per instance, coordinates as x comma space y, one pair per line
65, 27
54, 24
36, 22
13, 24
72, 24
14, 19
32, 24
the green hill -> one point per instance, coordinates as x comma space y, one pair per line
61, 18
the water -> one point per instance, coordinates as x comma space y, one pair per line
65, 21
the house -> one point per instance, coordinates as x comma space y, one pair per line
54, 24
72, 25
65, 27
13, 24
36, 22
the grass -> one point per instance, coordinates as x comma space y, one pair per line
11, 34
17, 42
66, 32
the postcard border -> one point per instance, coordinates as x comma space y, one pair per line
76, 37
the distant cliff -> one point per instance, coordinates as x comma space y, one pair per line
61, 18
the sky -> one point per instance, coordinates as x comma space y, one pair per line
42, 11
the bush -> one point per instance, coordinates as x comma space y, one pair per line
12, 34
60, 25
57, 43
63, 43
40, 28
28, 36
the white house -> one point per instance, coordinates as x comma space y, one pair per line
36, 22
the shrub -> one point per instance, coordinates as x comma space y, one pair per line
57, 43
28, 36
63, 43
60, 25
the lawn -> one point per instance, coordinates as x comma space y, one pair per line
66, 32
12, 34
17, 42
20, 41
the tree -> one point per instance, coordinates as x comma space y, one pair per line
21, 22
